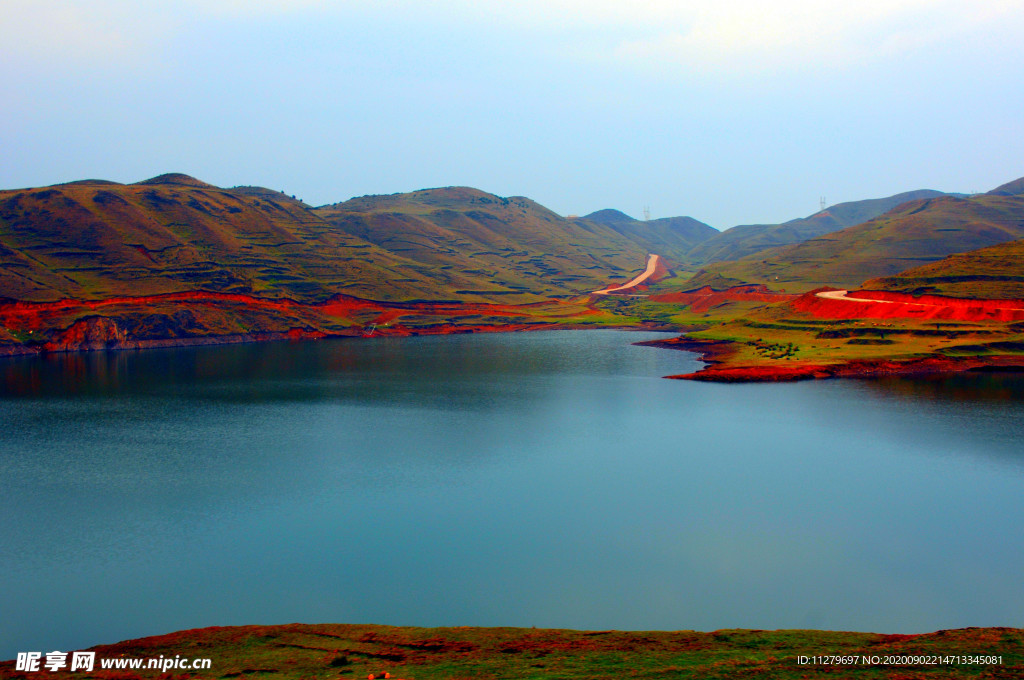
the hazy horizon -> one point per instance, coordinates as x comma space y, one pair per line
729, 112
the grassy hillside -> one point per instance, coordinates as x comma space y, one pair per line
173, 233
671, 237
475, 243
95, 239
913, 234
96, 265
748, 239
1014, 188
996, 272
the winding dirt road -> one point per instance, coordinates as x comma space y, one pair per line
1009, 305
842, 295
884, 304
652, 265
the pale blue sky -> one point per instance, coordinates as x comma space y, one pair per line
731, 111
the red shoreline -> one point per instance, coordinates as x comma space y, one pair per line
99, 333
293, 334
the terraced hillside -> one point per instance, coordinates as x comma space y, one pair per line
913, 234
996, 272
95, 239
478, 244
671, 237
173, 233
747, 239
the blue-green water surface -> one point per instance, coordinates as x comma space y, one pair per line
548, 479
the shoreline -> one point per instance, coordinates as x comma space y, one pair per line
197, 318
715, 355
347, 317
298, 334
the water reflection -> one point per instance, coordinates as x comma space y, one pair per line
349, 369
971, 386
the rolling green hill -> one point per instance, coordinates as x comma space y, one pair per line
910, 235
95, 239
747, 239
476, 243
672, 237
1014, 188
173, 233
996, 272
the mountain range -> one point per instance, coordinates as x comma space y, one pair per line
671, 237
94, 262
910, 235
94, 239
748, 239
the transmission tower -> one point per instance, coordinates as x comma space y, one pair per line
823, 203
647, 212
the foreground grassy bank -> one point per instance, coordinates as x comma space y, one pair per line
357, 651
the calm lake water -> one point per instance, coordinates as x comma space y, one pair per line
546, 479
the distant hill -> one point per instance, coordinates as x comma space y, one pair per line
913, 234
610, 218
176, 179
1014, 188
173, 233
747, 239
672, 237
268, 193
470, 240
996, 272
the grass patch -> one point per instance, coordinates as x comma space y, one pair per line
330, 651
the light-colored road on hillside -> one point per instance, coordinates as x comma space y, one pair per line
652, 264
843, 295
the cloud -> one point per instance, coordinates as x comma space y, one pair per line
65, 32
724, 35
750, 35
257, 8
84, 33
709, 36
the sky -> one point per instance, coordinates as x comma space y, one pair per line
730, 111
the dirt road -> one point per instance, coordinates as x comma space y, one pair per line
652, 265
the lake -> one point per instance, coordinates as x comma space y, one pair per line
548, 479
